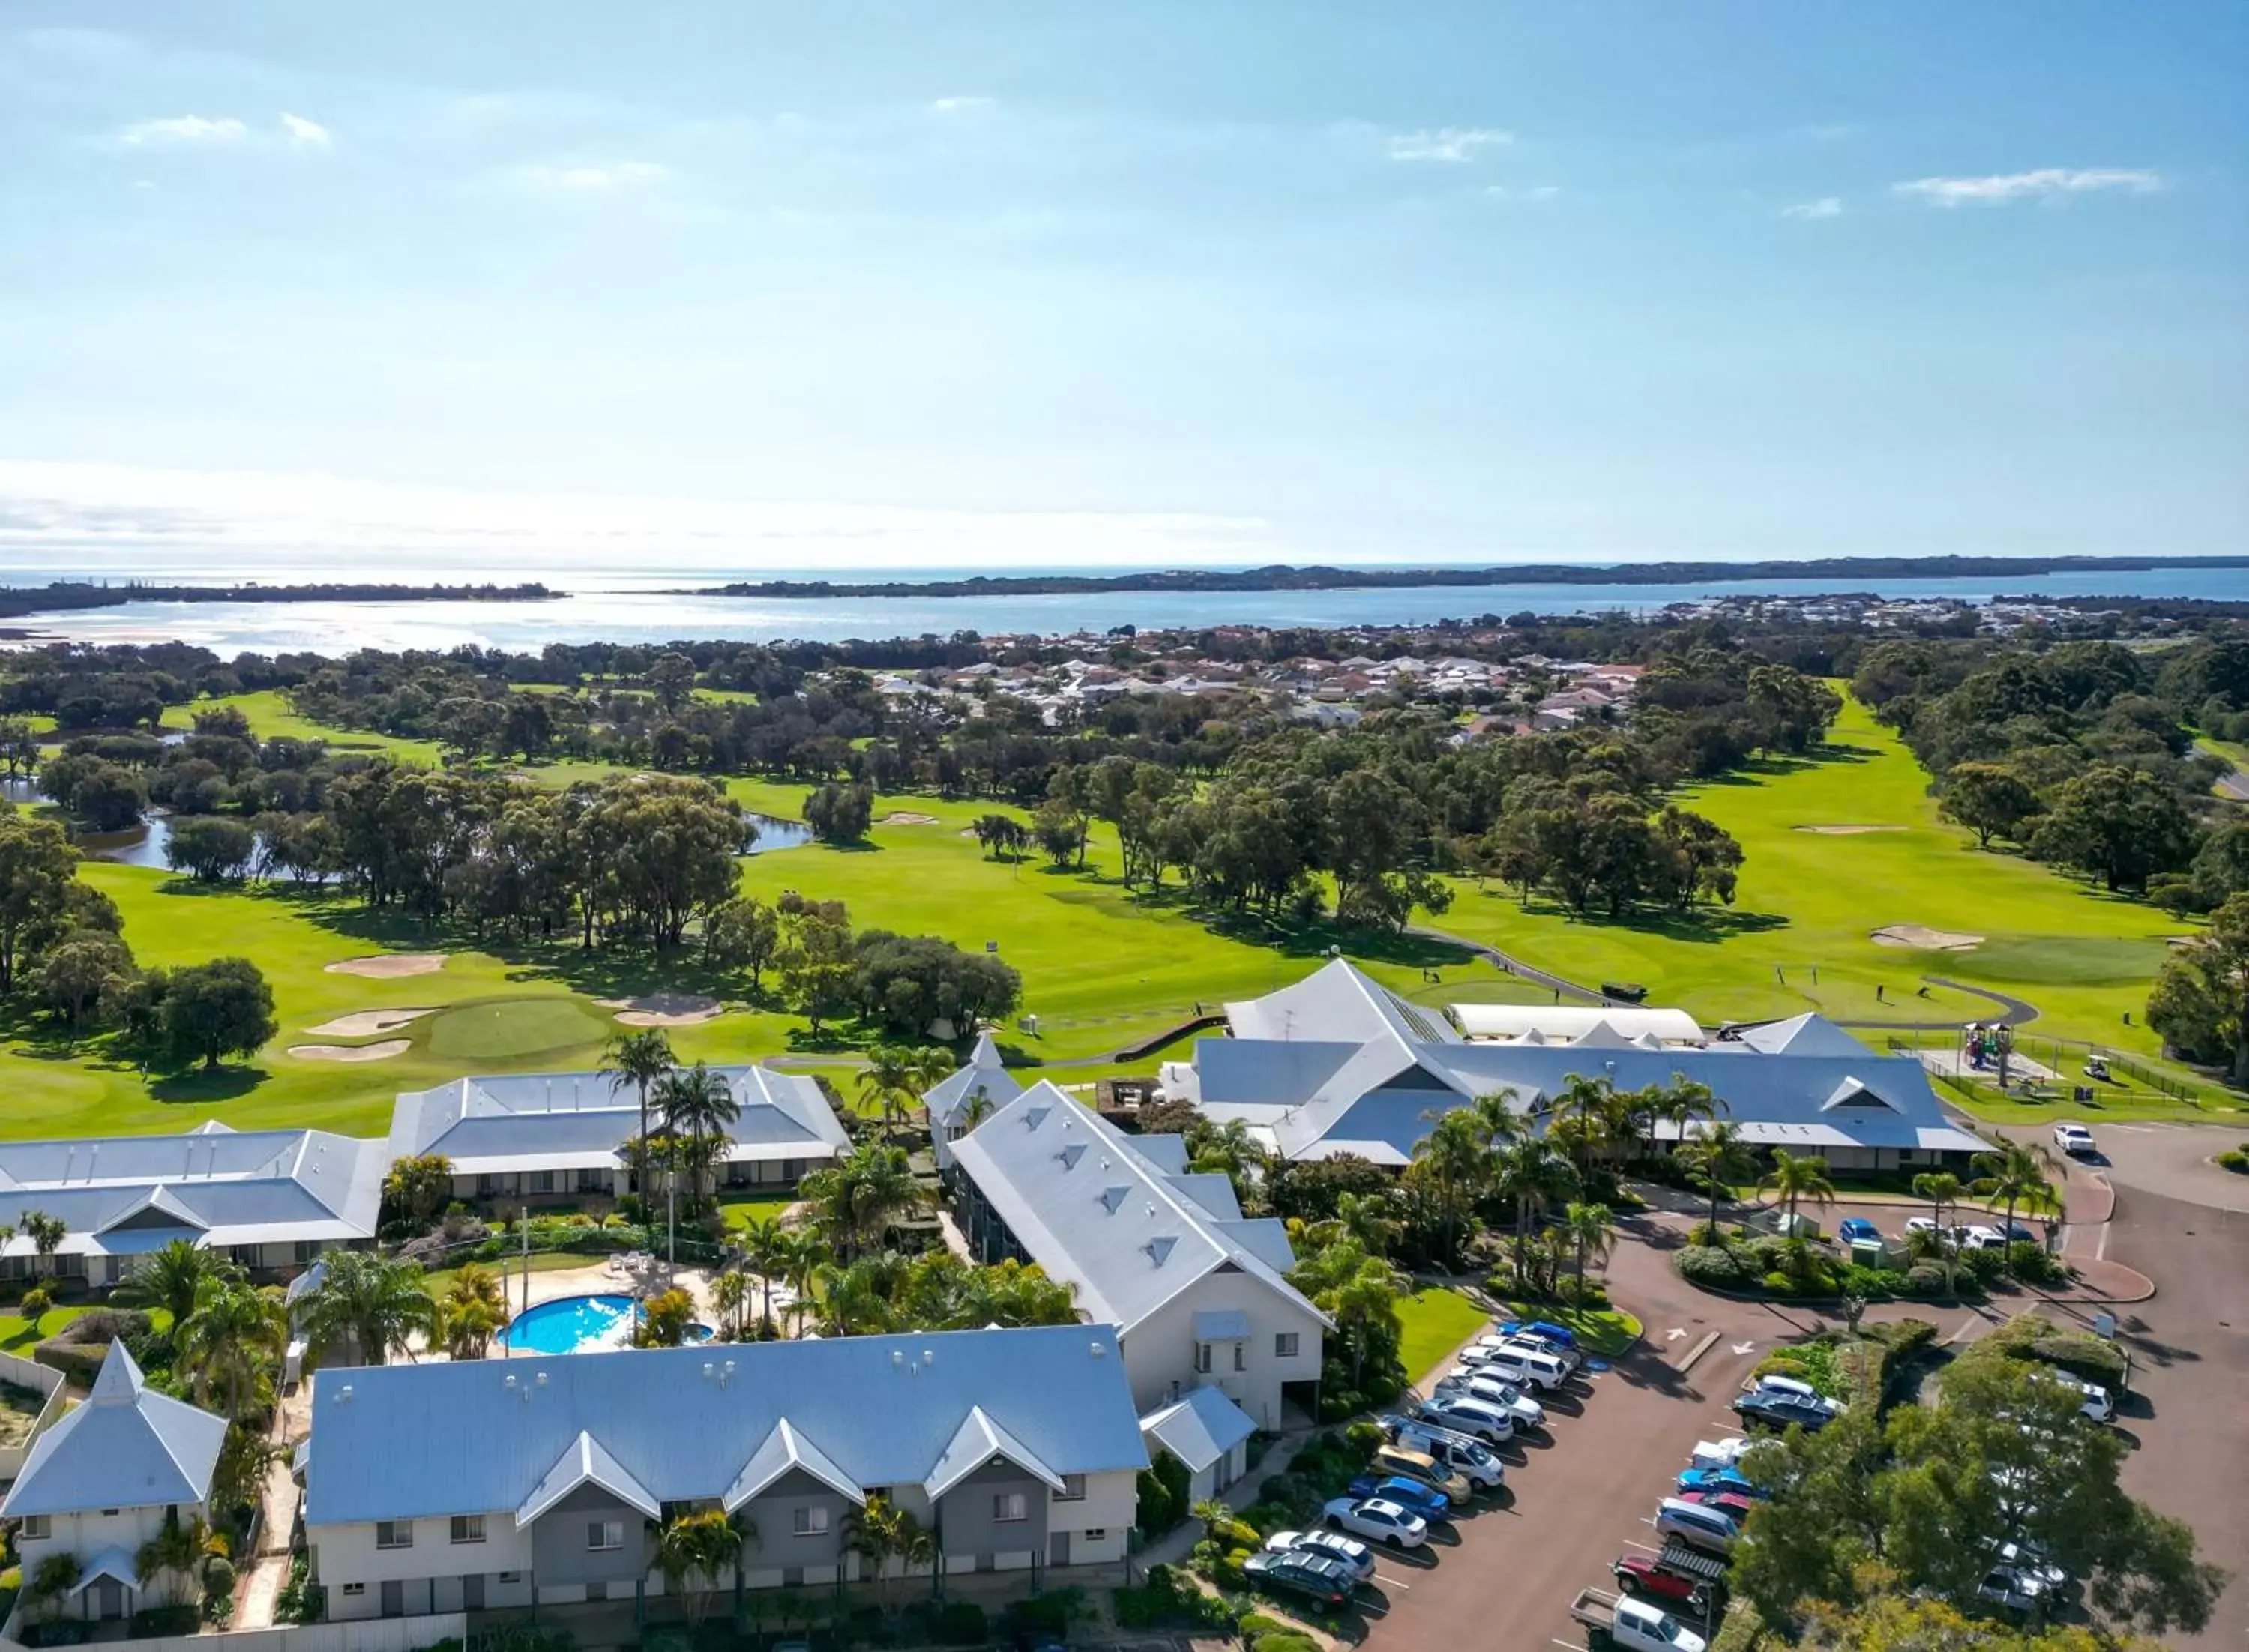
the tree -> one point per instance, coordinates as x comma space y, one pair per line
231, 1346
416, 1189
39, 868
742, 934
731, 1296
218, 1009
176, 1551
368, 1302
840, 813
1001, 835
881, 1532
1941, 1189
664, 1319
46, 1234
700, 1105
1591, 1232
2118, 825
765, 1249
857, 1197
1533, 1176
911, 983
2017, 1173
2200, 1002
1359, 1293
79, 970
1718, 1154
471, 1313
1989, 799
638, 1058
671, 677
1454, 1158
1798, 1176
211, 848
174, 1277
694, 1547
819, 974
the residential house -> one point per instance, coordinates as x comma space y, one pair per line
957, 1102
556, 1134
1198, 1293
103, 1481
487, 1484
271, 1199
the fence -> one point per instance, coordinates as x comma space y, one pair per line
41, 1380
370, 1635
2057, 1054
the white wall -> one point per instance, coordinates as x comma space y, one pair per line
30, 1374
1160, 1352
1109, 1503
346, 1554
394, 1634
88, 1534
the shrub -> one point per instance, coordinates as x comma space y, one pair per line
1871, 1285
1167, 1598
1362, 1440
961, 1623
1779, 1283
1708, 1265
2236, 1159
36, 1303
2036, 1263
2081, 1355
1983, 1266
1925, 1278
1286, 1641
218, 1574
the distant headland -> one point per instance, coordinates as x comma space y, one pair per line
67, 595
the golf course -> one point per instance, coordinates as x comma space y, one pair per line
1839, 846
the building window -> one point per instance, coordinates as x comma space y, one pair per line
510, 1577
468, 1528
393, 1534
1202, 1358
810, 1521
1242, 1356
355, 1588
1073, 1489
1007, 1507
37, 1528
111, 1513
605, 1534
1095, 1534
1284, 1345
542, 1181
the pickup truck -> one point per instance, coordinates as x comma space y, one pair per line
1618, 1620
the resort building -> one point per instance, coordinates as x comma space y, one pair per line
102, 1482
1198, 1293
959, 1101
271, 1199
484, 1483
1339, 1064
556, 1134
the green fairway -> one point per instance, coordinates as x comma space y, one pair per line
1800, 935
271, 718
1436, 1322
513, 1028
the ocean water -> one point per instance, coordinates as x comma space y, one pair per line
632, 605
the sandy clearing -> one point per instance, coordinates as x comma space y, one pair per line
907, 817
665, 1009
353, 1053
362, 1023
388, 966
1848, 831
1921, 935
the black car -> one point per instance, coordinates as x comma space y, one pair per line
1318, 1578
1778, 1410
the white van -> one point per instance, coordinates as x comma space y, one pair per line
1704, 1528
1527, 1366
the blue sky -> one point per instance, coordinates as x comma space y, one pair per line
892, 283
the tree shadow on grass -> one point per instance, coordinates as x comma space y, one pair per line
228, 1084
1698, 925
1307, 937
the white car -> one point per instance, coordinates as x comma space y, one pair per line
2027, 1559
1346, 1551
1484, 1419
1984, 1237
2099, 1407
2015, 1588
1485, 1348
1377, 1520
1720, 1454
2073, 1139
1772, 1382
1473, 1382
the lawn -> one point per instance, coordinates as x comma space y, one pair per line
19, 1335
1799, 935
1436, 1321
271, 718
1604, 1333
512, 1029
739, 1212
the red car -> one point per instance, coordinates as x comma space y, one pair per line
1647, 1577
1732, 1503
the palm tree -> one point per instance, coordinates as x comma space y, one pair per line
177, 1550
1934, 1245
231, 1342
375, 1304
860, 1198
172, 1276
852, 1300
978, 1107
471, 1313
1585, 1115
697, 1105
1681, 1102
887, 1077
1454, 1157
880, 1532
1535, 1176
1795, 1176
2016, 1173
46, 1234
1497, 1117
1591, 1232
1214, 1512
1941, 1188
692, 1548
763, 1243
1363, 1216
730, 1295
1718, 1154
639, 1059
802, 1255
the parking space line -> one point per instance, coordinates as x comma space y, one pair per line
1572, 1645
1388, 1581
1651, 1548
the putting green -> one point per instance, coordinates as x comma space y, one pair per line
2055, 960
513, 1028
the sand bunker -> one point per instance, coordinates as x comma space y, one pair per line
363, 1023
381, 1051
906, 816
664, 1010
388, 966
1848, 831
1921, 935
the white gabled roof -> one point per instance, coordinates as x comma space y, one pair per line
975, 1443
1805, 1034
948, 1099
126, 1446
783, 1449
1199, 1429
1090, 1211
586, 1461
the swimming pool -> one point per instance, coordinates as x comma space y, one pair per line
579, 1325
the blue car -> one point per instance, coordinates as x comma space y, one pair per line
1716, 1480
1855, 1228
1410, 1495
1545, 1330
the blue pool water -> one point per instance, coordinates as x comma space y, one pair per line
578, 1324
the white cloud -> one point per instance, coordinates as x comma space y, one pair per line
305, 134
1504, 192
1828, 206
186, 131
2047, 183
615, 178
960, 106
1452, 145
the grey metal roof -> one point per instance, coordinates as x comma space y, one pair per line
586, 1461
479, 1437
123, 1196
1087, 1208
576, 1121
1199, 1429
126, 1446
948, 1098
784, 1449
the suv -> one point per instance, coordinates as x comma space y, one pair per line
1470, 1459
1464, 1414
